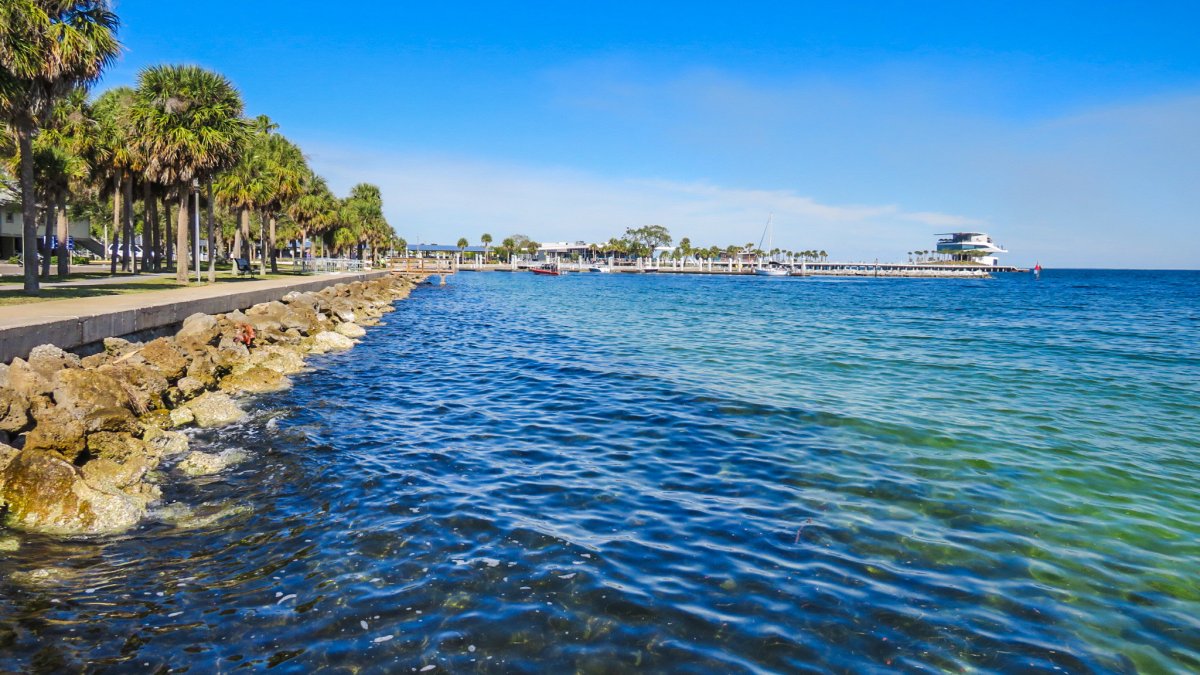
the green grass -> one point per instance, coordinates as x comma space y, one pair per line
14, 296
11, 293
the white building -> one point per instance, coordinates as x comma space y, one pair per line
969, 247
11, 225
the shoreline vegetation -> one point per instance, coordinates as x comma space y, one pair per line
85, 443
154, 160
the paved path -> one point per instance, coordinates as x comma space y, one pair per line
81, 321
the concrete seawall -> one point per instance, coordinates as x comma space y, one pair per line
78, 323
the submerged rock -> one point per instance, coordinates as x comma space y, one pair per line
215, 409
207, 463
43, 492
166, 443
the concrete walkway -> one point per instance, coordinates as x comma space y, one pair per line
78, 322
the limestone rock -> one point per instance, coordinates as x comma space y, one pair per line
118, 347
203, 370
14, 411
59, 431
119, 446
351, 330
109, 474
96, 360
255, 380
189, 388
285, 360
166, 443
215, 409
166, 357
198, 329
110, 419
143, 383
24, 380
328, 341
45, 493
182, 416
82, 391
207, 463
49, 359
343, 310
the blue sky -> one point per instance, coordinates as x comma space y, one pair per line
1069, 131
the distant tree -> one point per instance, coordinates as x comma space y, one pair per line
486, 240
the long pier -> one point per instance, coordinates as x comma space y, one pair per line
832, 269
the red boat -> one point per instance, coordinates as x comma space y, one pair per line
548, 269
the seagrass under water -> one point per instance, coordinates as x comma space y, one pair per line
690, 474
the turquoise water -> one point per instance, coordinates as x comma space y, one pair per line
604, 473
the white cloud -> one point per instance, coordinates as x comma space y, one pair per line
439, 199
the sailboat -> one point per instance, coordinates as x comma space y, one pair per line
769, 271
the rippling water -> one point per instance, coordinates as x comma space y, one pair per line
604, 473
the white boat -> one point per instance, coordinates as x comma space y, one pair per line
602, 269
770, 269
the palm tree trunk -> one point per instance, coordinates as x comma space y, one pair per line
237, 243
169, 254
150, 226
262, 239
44, 250
274, 267
244, 217
28, 210
127, 208
114, 245
181, 236
64, 256
212, 242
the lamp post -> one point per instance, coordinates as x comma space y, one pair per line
196, 244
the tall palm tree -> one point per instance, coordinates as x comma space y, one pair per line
486, 240
116, 157
189, 125
462, 247
315, 210
47, 50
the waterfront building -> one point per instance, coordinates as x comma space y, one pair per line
11, 224
562, 250
974, 247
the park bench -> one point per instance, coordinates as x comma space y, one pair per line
243, 266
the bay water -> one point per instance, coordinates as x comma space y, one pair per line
661, 473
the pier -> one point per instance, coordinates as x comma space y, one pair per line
733, 267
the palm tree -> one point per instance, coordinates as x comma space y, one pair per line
510, 246
117, 158
462, 247
47, 50
486, 240
189, 125
314, 211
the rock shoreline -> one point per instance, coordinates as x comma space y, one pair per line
81, 439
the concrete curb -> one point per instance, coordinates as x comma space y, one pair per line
84, 329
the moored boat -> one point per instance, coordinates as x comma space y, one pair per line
771, 271
547, 269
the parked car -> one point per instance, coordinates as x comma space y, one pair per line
135, 251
